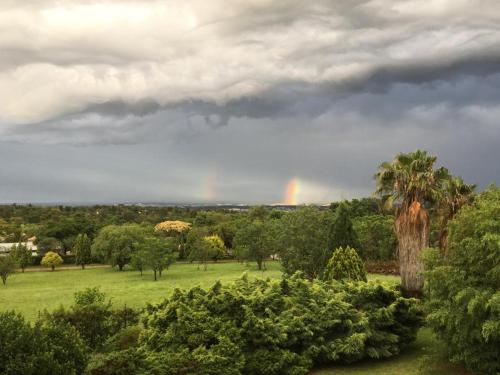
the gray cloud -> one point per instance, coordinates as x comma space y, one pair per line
126, 100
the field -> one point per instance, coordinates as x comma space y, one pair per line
31, 292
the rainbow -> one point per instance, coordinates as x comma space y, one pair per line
210, 186
292, 191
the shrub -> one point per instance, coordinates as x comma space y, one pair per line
48, 348
345, 264
275, 327
93, 317
462, 287
51, 259
124, 362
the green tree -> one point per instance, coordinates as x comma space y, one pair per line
376, 236
199, 249
456, 194
47, 348
21, 255
52, 260
218, 248
46, 244
463, 285
253, 242
341, 233
303, 242
410, 182
345, 264
82, 251
7, 267
158, 252
139, 260
115, 243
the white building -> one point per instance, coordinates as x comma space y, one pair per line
6, 246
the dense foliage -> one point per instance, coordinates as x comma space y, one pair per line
341, 232
376, 236
52, 260
275, 327
463, 286
345, 264
47, 348
93, 317
304, 242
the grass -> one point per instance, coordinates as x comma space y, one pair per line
32, 292
427, 356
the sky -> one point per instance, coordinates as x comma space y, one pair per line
242, 101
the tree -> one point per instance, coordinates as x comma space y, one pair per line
177, 229
410, 182
345, 264
158, 253
252, 242
376, 236
21, 255
7, 267
218, 248
51, 259
463, 296
115, 243
304, 245
47, 348
341, 233
139, 260
199, 249
47, 244
457, 194
81, 248
171, 227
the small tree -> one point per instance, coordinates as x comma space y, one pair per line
139, 260
51, 259
115, 243
7, 267
345, 264
341, 233
21, 255
217, 246
200, 249
158, 254
252, 242
81, 249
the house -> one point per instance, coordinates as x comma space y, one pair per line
6, 246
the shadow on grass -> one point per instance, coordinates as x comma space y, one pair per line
427, 356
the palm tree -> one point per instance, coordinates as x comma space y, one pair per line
456, 195
410, 183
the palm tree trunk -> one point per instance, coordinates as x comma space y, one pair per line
412, 230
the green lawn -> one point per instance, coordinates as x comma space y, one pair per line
34, 291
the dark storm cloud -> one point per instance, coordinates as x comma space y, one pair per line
128, 100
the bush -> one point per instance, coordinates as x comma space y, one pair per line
47, 348
275, 327
464, 300
51, 259
125, 362
345, 264
93, 317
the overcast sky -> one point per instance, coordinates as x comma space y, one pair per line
228, 101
